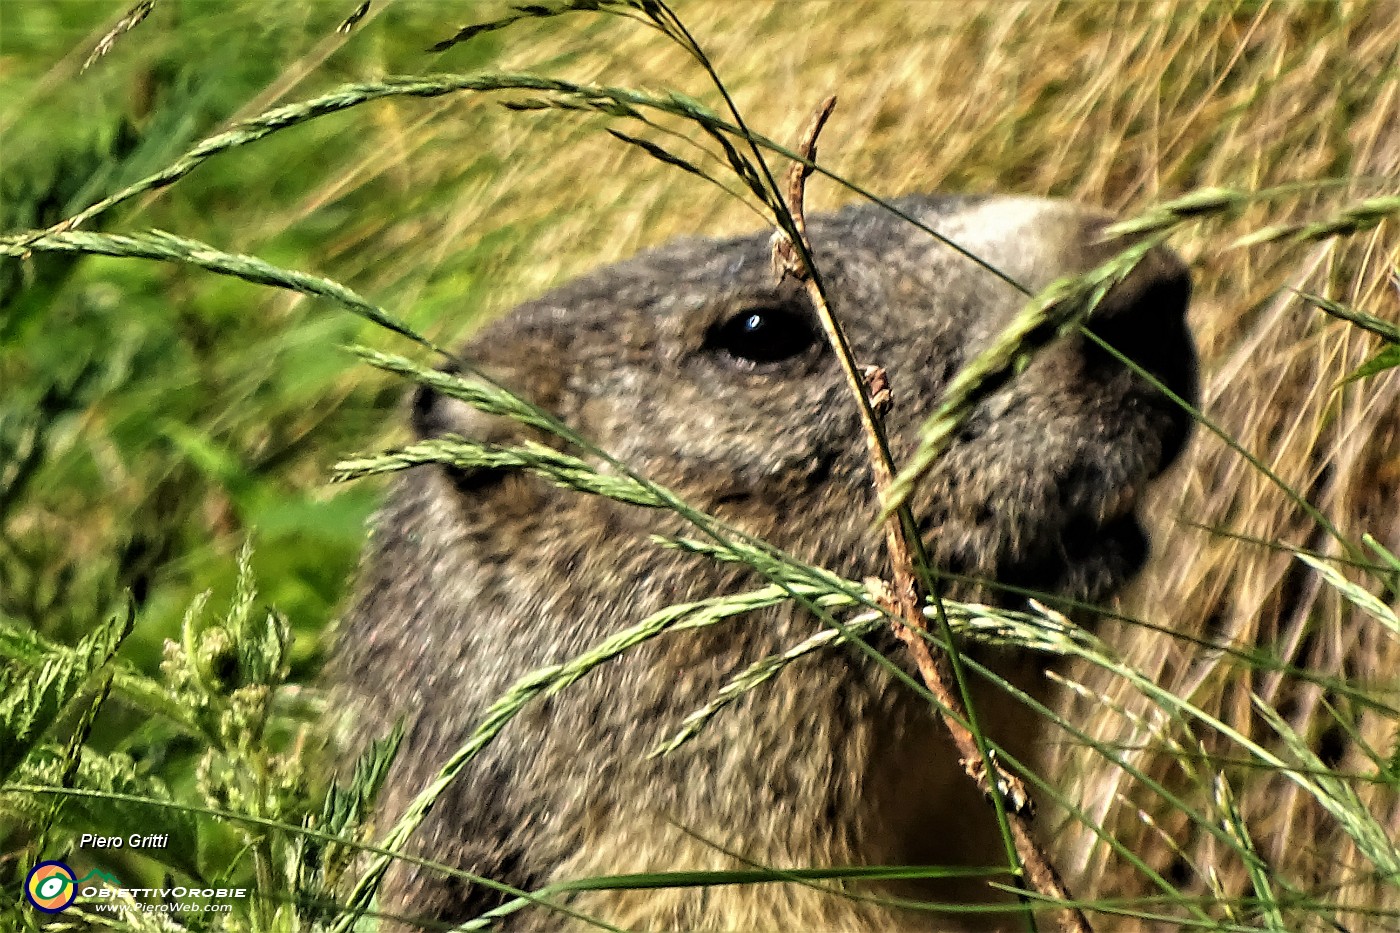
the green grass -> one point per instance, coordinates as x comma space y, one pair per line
155, 416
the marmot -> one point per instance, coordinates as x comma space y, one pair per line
690, 365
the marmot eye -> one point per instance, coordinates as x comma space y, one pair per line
763, 335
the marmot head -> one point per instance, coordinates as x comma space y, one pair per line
692, 366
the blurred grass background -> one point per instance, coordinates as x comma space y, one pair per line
153, 416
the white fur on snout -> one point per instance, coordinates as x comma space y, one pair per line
1032, 240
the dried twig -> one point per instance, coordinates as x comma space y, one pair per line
786, 261
871, 387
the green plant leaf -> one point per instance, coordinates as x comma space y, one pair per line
31, 700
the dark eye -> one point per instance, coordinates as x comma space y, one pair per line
763, 335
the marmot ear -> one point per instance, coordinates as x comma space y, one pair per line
435, 415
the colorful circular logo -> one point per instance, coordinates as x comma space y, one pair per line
51, 886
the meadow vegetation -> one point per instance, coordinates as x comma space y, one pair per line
1227, 754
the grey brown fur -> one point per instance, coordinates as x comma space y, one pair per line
472, 580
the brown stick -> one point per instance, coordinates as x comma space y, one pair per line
871, 388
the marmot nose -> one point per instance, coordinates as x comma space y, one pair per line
1144, 318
